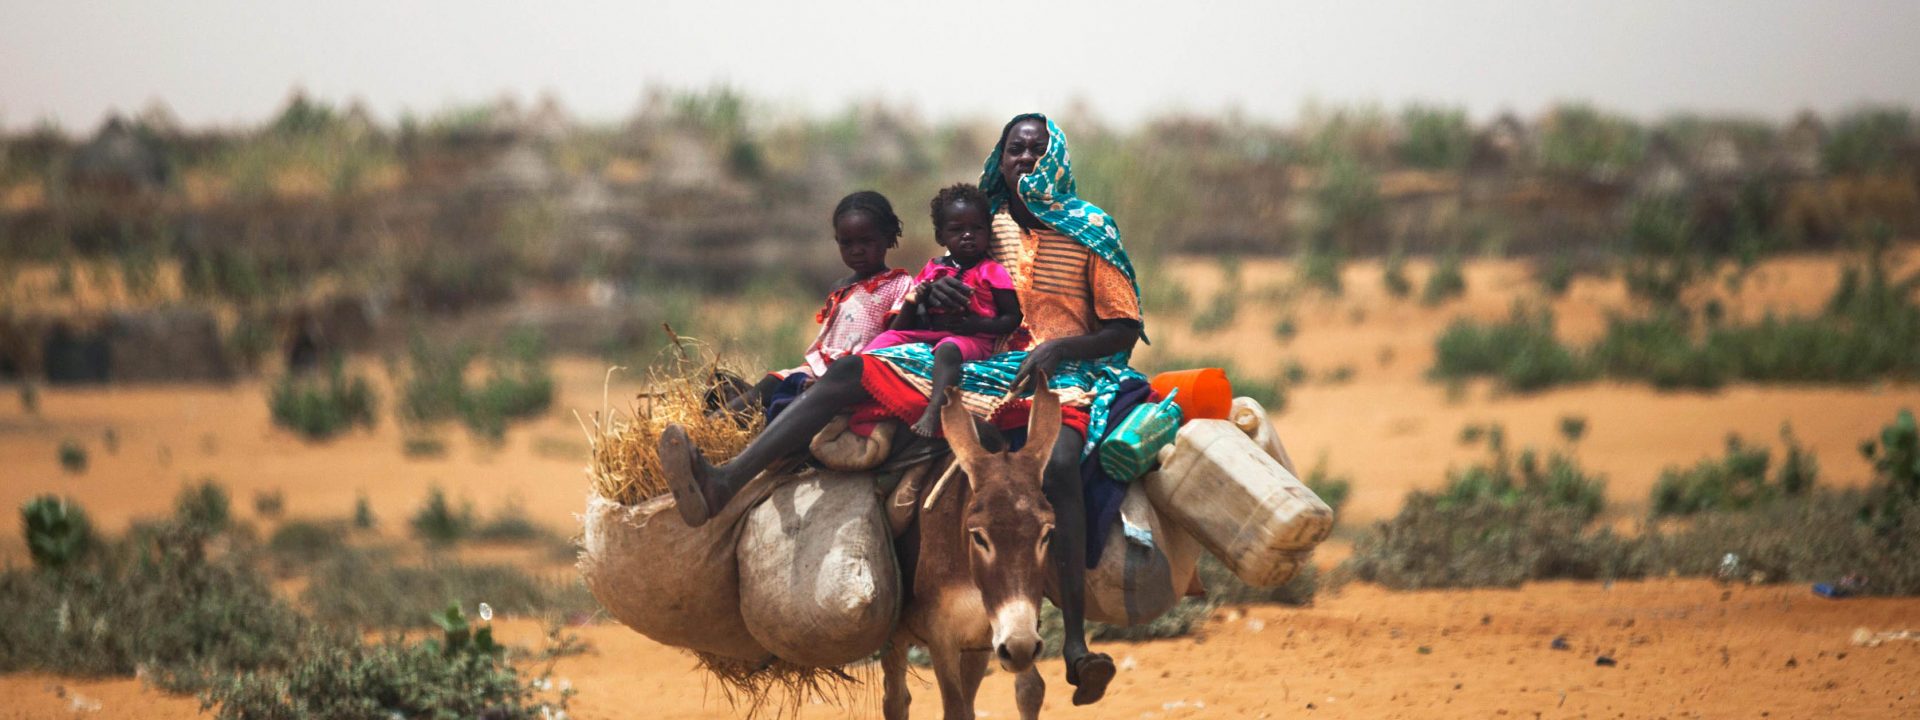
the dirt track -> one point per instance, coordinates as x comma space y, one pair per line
1684, 649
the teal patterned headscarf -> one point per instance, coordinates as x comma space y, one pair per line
1048, 192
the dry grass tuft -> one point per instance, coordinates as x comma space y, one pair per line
779, 688
625, 444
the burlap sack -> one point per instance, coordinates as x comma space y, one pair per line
1146, 568
818, 582
676, 584
840, 449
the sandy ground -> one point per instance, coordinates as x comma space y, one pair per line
1684, 649
1353, 655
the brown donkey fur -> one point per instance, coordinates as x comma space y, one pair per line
981, 569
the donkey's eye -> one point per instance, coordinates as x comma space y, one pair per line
980, 540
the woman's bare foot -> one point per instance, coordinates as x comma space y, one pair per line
686, 471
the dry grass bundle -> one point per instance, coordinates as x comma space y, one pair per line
625, 444
780, 688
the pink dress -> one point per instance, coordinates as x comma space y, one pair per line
984, 277
853, 316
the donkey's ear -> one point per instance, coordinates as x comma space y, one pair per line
957, 423
1043, 424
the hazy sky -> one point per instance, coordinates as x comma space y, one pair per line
230, 61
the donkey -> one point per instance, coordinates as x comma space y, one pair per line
979, 568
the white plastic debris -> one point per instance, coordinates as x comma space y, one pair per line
486, 612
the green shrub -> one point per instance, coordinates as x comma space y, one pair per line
437, 522
322, 407
1508, 479
203, 506
1868, 140
1447, 280
1393, 275
511, 525
1219, 312
367, 590
363, 518
518, 385
1435, 138
29, 398
157, 600
1819, 537
435, 380
73, 456
1435, 542
1320, 266
1579, 140
1573, 427
269, 503
1332, 489
57, 532
1522, 352
301, 543
1286, 329
461, 674
1558, 275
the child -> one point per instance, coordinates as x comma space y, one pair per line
860, 305
962, 223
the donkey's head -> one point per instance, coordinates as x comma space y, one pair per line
1008, 524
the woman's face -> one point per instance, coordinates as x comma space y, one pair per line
1026, 144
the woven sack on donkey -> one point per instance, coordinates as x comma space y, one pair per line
1146, 568
676, 584
818, 582
841, 449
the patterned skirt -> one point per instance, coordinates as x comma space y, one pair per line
899, 379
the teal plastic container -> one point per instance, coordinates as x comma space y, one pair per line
1132, 446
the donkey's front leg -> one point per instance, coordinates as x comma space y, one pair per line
1029, 690
893, 665
959, 676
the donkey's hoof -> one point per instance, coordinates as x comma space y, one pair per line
1090, 675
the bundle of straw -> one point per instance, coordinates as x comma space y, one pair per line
625, 444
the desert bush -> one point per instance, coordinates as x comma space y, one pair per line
73, 456
510, 525
1435, 138
1508, 479
370, 590
1573, 428
203, 506
463, 673
1659, 349
301, 543
438, 522
1578, 139
269, 503
57, 532
322, 407
1347, 203
1447, 281
1285, 329
1522, 352
1557, 277
1393, 274
363, 518
1434, 542
517, 385
1868, 140
1820, 537
1736, 481
157, 600
1319, 266
1331, 487
1223, 308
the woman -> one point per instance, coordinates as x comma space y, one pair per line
1082, 311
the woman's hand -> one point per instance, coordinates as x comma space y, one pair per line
946, 293
1041, 361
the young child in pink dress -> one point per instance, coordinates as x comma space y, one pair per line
963, 224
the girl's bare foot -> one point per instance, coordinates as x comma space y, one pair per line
929, 423
686, 477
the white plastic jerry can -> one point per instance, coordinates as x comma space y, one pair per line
1242, 505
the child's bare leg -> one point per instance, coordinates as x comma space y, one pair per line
946, 372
